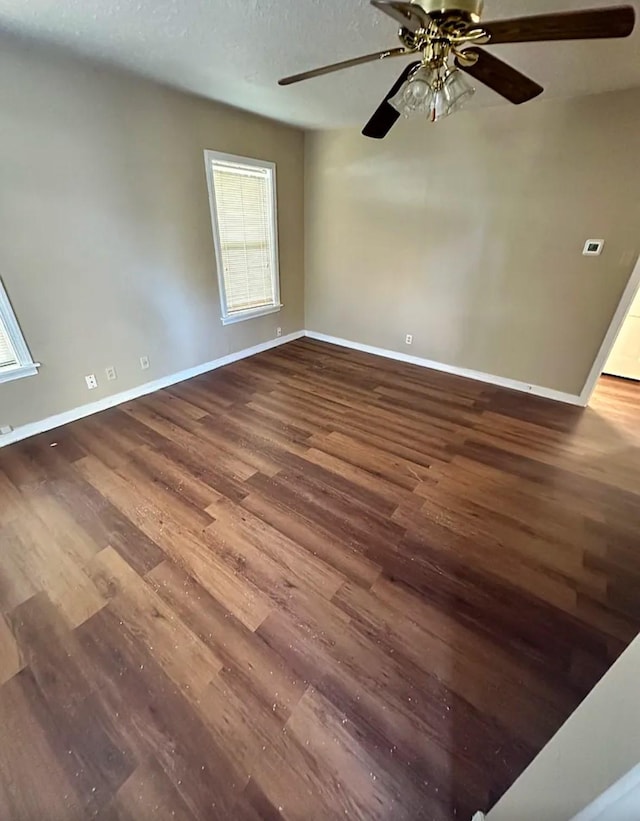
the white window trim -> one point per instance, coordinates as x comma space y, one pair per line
26, 366
229, 318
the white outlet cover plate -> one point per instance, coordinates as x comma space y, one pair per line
91, 381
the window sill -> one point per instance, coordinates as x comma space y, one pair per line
19, 372
241, 317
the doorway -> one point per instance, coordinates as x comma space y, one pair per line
624, 359
619, 354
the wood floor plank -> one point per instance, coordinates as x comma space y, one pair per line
18, 581
176, 478
312, 584
33, 784
59, 690
61, 526
241, 650
358, 453
188, 661
336, 551
185, 449
159, 720
501, 693
239, 723
242, 598
373, 790
278, 562
163, 496
11, 659
329, 509
397, 740
383, 495
147, 793
37, 555
105, 524
10, 500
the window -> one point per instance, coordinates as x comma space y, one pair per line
242, 193
15, 359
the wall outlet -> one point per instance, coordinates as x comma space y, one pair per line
279, 332
92, 382
409, 339
111, 374
144, 363
5, 429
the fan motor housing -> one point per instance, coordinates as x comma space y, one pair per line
471, 9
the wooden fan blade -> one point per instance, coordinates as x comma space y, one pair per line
406, 14
356, 61
500, 76
386, 116
616, 21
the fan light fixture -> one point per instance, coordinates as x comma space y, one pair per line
436, 93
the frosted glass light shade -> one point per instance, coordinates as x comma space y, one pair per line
415, 95
427, 93
457, 90
439, 106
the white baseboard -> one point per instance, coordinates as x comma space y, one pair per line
51, 422
479, 376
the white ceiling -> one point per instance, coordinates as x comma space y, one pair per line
235, 50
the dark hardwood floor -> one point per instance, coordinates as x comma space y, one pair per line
312, 585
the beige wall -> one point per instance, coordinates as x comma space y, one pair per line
106, 250
598, 745
469, 235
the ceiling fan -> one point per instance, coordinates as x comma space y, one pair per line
447, 33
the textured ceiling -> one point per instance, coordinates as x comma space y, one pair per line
235, 50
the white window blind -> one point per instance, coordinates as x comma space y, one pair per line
243, 210
8, 356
